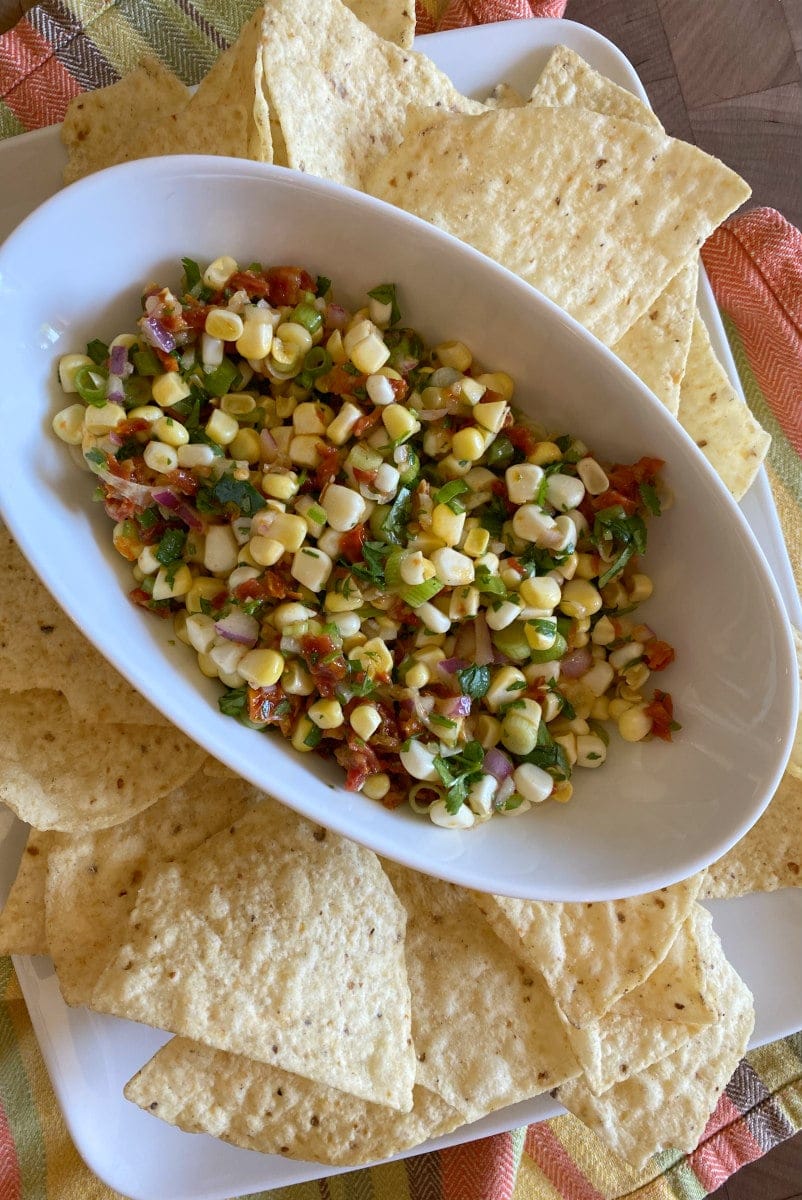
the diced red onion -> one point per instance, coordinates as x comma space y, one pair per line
155, 333
497, 764
484, 646
238, 627
456, 706
506, 788
336, 316
126, 489
576, 663
185, 512
451, 665
114, 389
118, 360
268, 446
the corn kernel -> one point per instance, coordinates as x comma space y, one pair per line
369, 354
399, 421
265, 551
169, 388
580, 598
238, 404
160, 458
171, 432
376, 787
301, 734
447, 524
68, 367
224, 324
455, 355
246, 446
500, 383
490, 414
634, 724
640, 588
468, 445
172, 582
365, 720
261, 668
545, 453
222, 428
68, 425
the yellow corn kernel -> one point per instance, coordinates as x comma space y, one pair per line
399, 421
296, 337
545, 453
580, 598
369, 354
455, 355
160, 457
563, 791
170, 582
238, 404
540, 592
468, 445
204, 589
374, 657
169, 388
376, 787
634, 724
261, 668
365, 720
326, 714
265, 551
222, 428
417, 676
517, 735
447, 525
101, 420
490, 414
476, 542
300, 735
218, 273
171, 432
588, 566
617, 707
601, 709
640, 588
280, 487
208, 666
246, 446
487, 731
224, 324
336, 349
296, 680
499, 382
68, 367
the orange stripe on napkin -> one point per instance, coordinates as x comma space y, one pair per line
9, 1163
33, 83
755, 267
547, 1151
732, 1146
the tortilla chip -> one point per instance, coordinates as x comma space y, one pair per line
393, 20
718, 420
656, 347
486, 1031
228, 114
668, 1104
96, 122
259, 1107
254, 944
60, 772
22, 921
597, 212
504, 95
655, 1019
568, 81
93, 880
41, 648
212, 768
770, 855
592, 954
340, 92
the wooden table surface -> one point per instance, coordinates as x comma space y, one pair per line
727, 75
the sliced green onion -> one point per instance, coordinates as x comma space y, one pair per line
218, 382
445, 494
317, 514
409, 469
145, 362
317, 361
420, 593
90, 384
500, 452
98, 351
308, 316
392, 568
512, 642
555, 651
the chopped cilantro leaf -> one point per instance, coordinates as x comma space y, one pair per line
374, 556
98, 351
239, 492
458, 772
474, 681
566, 708
234, 702
649, 498
624, 535
171, 547
322, 285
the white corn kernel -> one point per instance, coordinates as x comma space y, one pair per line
505, 685
463, 603
598, 679
218, 273
68, 367
241, 575
212, 351
195, 455
491, 415
200, 632
68, 425
380, 390
305, 451
453, 568
418, 760
311, 568
592, 476
101, 420
620, 658
480, 796
523, 481
344, 508
533, 783
347, 624
502, 615
532, 524
564, 491
221, 550
339, 430
148, 563
463, 818
308, 418
431, 617
590, 750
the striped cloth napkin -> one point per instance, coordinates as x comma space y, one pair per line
754, 261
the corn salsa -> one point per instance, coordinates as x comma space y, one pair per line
361, 538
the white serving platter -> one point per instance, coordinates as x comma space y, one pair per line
90, 1057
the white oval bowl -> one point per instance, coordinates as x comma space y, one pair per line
654, 813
